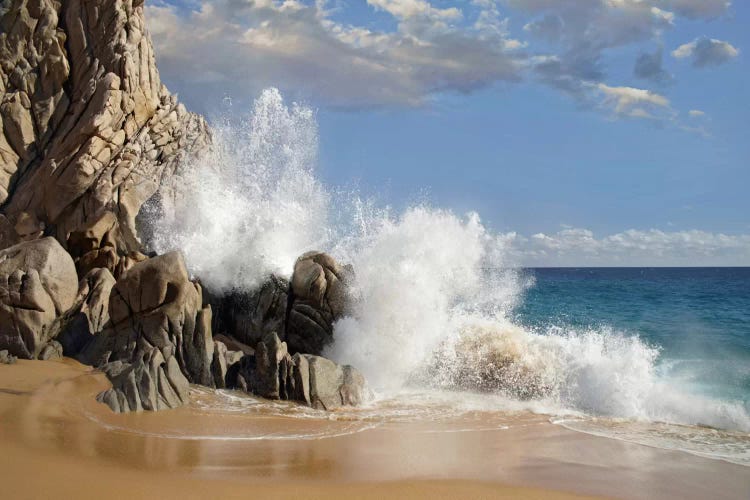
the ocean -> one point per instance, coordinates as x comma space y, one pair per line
697, 320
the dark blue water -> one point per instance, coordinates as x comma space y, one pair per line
698, 317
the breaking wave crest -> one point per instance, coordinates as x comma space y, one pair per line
433, 291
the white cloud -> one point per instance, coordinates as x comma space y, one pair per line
247, 46
633, 102
652, 247
207, 50
696, 113
706, 52
409, 9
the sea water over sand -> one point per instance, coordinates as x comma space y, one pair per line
655, 357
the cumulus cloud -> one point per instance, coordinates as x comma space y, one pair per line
706, 51
696, 113
652, 247
206, 50
239, 47
633, 102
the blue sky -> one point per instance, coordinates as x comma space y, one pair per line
534, 113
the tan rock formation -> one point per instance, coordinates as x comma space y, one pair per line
86, 127
38, 284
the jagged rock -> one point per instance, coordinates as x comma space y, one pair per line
86, 127
150, 382
308, 379
92, 313
219, 365
250, 316
224, 364
271, 370
7, 358
234, 344
332, 385
38, 283
53, 350
101, 245
154, 304
319, 298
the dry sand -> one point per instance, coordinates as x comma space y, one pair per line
57, 441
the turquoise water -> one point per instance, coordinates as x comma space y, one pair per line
699, 318
694, 395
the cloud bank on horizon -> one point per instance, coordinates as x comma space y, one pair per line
408, 52
579, 247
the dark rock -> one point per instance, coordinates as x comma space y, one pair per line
318, 298
249, 316
38, 284
91, 314
271, 368
223, 361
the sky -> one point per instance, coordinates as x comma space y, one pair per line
588, 132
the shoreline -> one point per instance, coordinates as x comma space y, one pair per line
56, 437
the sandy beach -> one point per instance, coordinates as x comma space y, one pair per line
57, 440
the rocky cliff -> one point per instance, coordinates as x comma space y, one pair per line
87, 135
87, 128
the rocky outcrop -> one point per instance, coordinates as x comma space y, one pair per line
302, 312
91, 314
158, 339
86, 127
318, 299
155, 305
308, 379
38, 283
88, 134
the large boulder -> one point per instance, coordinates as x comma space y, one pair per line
318, 299
331, 385
154, 304
248, 316
38, 284
86, 126
91, 314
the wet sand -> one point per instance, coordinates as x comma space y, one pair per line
56, 440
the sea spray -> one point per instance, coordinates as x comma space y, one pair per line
432, 293
252, 204
416, 276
